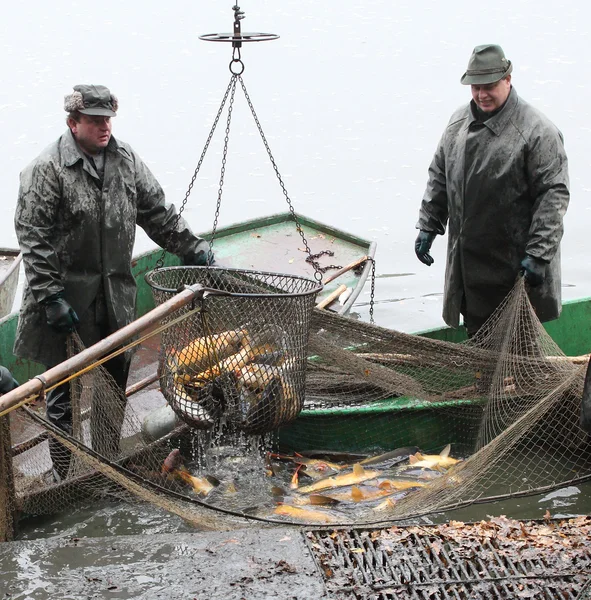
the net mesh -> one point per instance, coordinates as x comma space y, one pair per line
391, 426
242, 357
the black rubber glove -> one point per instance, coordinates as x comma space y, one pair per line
199, 258
423, 245
534, 270
7, 381
59, 314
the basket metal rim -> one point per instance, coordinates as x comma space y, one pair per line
318, 286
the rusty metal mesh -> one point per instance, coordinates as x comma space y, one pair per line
496, 559
242, 356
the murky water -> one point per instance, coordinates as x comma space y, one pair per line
352, 98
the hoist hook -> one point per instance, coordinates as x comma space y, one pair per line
238, 16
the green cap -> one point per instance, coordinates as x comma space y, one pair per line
92, 100
486, 65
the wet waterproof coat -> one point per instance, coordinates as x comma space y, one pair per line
77, 235
501, 188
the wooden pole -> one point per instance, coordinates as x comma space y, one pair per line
34, 387
331, 297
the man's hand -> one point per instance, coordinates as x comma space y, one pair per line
534, 270
61, 317
423, 245
199, 258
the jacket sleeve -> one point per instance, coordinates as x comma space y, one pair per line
434, 210
547, 169
159, 219
34, 222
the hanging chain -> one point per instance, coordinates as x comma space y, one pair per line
312, 259
232, 84
223, 169
373, 289
317, 272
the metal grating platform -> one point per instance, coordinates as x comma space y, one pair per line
529, 560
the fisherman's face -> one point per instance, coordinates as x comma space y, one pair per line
92, 132
492, 96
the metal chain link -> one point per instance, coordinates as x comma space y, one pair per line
223, 168
373, 290
317, 273
312, 259
160, 261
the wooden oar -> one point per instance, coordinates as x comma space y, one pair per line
331, 297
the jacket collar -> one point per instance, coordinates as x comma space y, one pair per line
498, 122
72, 154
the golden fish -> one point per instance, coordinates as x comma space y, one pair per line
201, 485
434, 461
358, 475
369, 493
235, 362
396, 485
313, 467
204, 351
256, 377
304, 514
386, 505
312, 500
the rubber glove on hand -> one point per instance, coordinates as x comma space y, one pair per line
199, 258
7, 381
423, 245
534, 270
59, 314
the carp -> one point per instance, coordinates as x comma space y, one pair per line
173, 465
390, 458
257, 376
304, 514
358, 475
434, 461
201, 485
206, 351
313, 467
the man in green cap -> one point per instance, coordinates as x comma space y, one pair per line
499, 182
78, 205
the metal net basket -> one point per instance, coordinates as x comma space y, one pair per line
240, 358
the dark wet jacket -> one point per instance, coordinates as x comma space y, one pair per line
501, 187
77, 235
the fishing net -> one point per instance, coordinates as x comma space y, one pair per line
392, 426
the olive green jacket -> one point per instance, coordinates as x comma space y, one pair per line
501, 188
76, 235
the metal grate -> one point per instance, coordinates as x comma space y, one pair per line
418, 563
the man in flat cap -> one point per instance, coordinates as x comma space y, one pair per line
499, 182
78, 205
